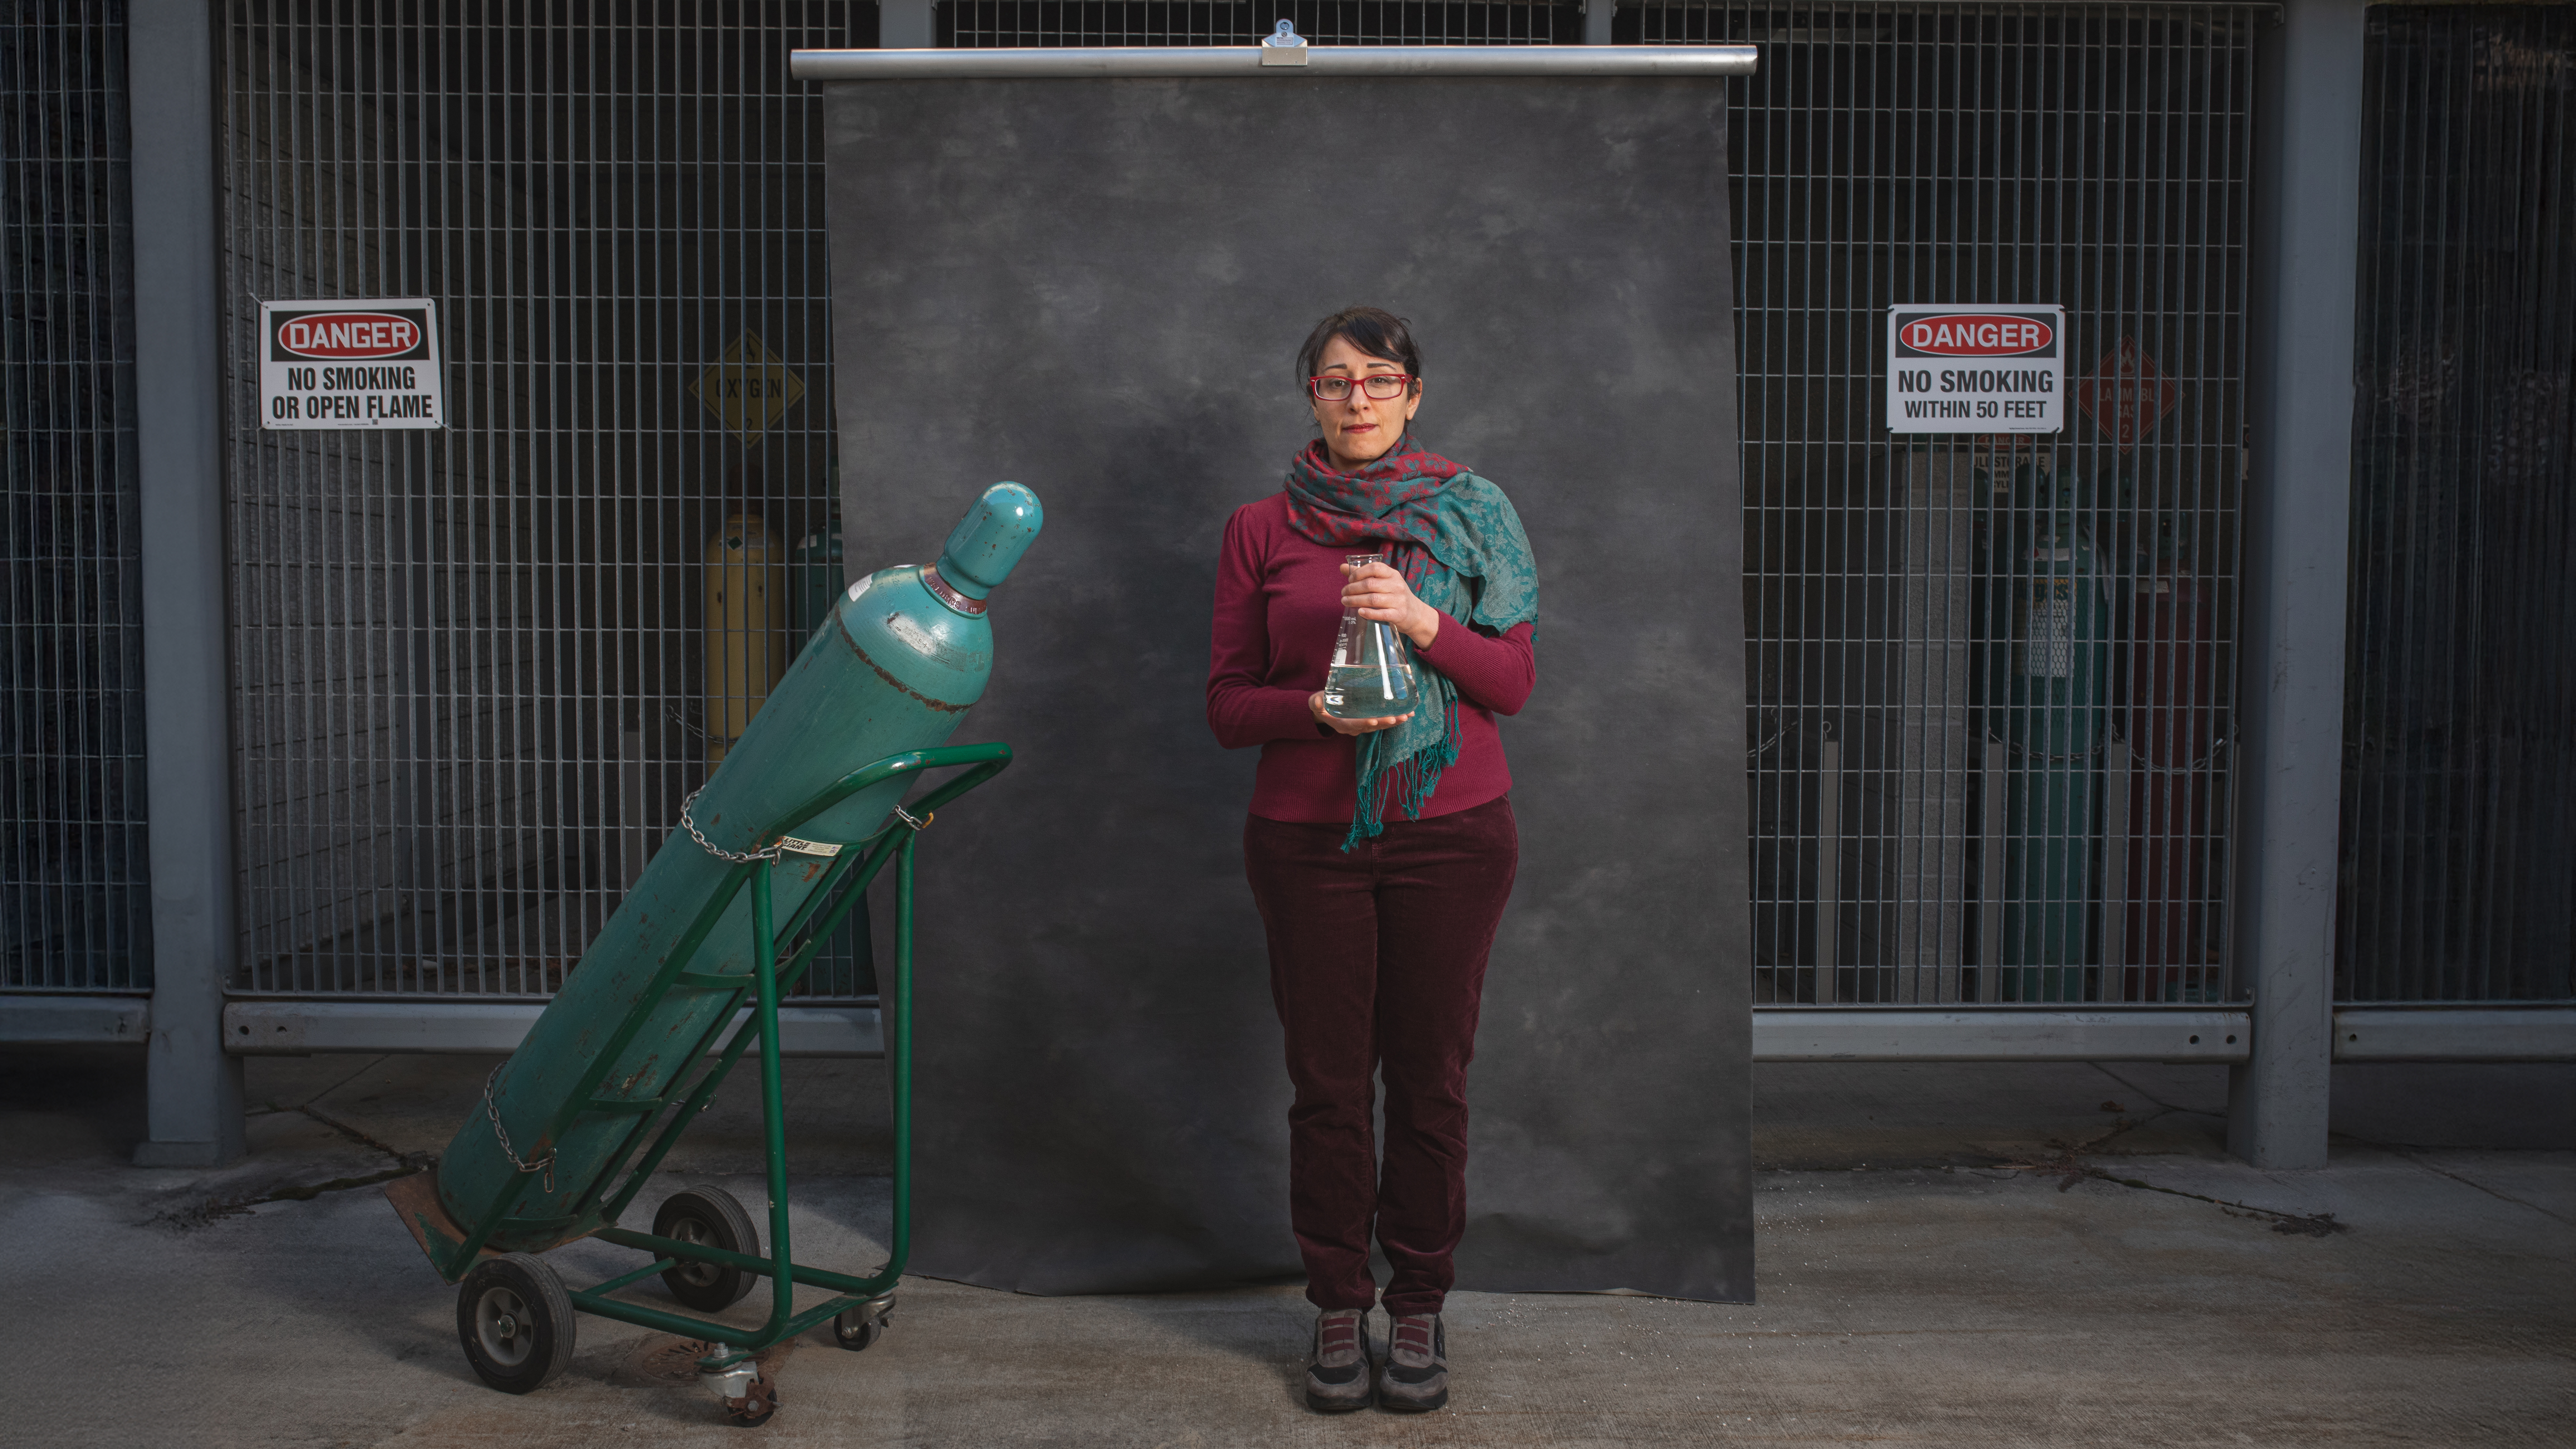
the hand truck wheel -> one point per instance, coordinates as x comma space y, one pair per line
714, 1218
857, 1327
515, 1321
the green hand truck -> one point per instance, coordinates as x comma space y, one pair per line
514, 1313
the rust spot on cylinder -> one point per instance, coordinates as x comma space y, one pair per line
941, 705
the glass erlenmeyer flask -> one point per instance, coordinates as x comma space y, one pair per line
1372, 672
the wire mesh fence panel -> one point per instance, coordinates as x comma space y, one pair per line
2458, 875
1989, 674
987, 23
479, 667
74, 894
1990, 678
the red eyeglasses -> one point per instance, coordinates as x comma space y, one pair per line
1384, 386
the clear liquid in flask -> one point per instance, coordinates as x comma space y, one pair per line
1372, 671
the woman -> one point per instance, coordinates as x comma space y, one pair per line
1380, 851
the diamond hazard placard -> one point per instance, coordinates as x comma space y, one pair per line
2127, 395
749, 388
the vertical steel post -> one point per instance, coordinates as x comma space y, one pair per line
2290, 700
906, 25
1990, 872
899, 1059
773, 1091
1596, 20
196, 1090
1829, 864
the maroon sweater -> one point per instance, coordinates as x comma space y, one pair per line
1278, 608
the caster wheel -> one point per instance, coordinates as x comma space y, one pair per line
714, 1217
856, 1328
515, 1321
754, 1408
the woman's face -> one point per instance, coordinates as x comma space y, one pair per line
1359, 429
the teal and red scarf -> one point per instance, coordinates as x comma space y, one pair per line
1459, 545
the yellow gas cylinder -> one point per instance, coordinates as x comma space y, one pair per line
746, 586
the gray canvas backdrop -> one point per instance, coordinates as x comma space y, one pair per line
1096, 287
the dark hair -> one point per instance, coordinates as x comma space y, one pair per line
1372, 330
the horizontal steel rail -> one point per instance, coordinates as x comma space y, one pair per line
46, 1017
2027, 1034
2455, 1034
1780, 1034
1139, 61
277, 1028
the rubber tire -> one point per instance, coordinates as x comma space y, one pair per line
716, 1218
856, 1329
539, 1345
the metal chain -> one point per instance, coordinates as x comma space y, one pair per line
2016, 747
2137, 762
719, 852
2196, 767
1777, 735
918, 824
493, 1111
672, 713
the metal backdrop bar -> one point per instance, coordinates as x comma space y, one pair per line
2298, 520
195, 1088
1035, 63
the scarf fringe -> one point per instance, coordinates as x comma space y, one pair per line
1413, 777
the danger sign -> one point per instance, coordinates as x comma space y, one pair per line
350, 365
1974, 368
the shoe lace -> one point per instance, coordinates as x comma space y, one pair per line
1341, 1333
1413, 1335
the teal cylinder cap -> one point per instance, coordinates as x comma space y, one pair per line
989, 540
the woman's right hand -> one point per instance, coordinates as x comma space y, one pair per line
1315, 707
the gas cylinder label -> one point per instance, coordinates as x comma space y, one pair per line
350, 365
2046, 638
1975, 368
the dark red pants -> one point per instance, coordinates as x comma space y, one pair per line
1377, 963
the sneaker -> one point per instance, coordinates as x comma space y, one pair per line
1415, 1375
1337, 1380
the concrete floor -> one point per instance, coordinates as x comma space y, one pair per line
1970, 1255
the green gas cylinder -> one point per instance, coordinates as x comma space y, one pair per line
905, 653
813, 585
2053, 686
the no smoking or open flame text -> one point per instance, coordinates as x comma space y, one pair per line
352, 393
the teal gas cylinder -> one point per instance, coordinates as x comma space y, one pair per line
2054, 686
813, 586
906, 652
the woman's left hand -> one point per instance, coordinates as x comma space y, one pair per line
1380, 593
